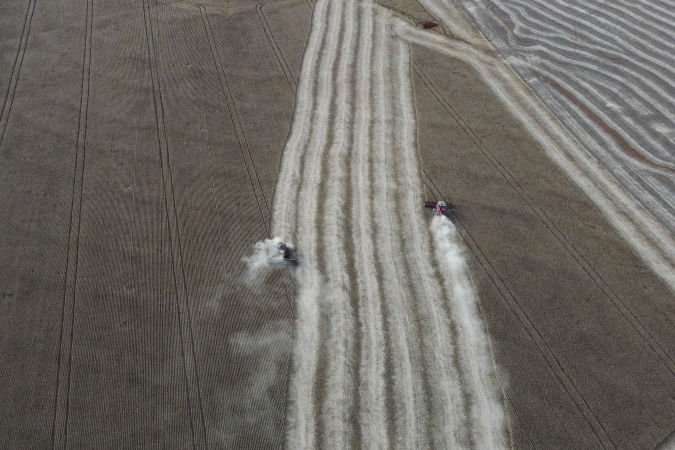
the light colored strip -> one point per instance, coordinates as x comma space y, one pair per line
340, 346
443, 377
487, 413
285, 193
301, 432
372, 415
408, 399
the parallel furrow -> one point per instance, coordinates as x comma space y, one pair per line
350, 163
410, 413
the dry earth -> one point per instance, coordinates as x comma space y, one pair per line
140, 144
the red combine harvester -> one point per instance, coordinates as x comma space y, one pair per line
440, 208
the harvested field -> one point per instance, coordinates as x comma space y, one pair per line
147, 145
606, 73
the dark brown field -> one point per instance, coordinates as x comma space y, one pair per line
140, 143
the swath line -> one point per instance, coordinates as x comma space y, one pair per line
287, 186
302, 418
409, 407
338, 401
373, 416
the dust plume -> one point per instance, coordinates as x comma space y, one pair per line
265, 254
486, 410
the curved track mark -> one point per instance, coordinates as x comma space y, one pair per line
612, 132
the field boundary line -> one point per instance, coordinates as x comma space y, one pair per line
16, 70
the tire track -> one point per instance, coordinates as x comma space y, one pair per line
236, 122
16, 70
275, 47
185, 328
59, 432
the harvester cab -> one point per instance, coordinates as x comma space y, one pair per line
287, 253
440, 208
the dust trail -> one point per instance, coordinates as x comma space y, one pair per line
264, 253
487, 414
